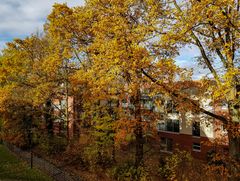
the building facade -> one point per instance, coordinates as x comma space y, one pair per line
194, 132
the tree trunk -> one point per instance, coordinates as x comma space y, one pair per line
234, 146
48, 118
139, 145
113, 156
234, 153
234, 136
138, 129
78, 110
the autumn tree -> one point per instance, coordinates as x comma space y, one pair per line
30, 78
117, 52
212, 27
112, 41
113, 50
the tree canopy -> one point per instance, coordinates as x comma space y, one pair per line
108, 51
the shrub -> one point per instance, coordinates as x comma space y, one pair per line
176, 165
97, 156
128, 171
54, 145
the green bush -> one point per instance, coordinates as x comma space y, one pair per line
175, 166
97, 156
54, 145
128, 171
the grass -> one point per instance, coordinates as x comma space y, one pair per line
12, 168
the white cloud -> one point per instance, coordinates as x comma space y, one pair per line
187, 59
186, 56
21, 18
2, 44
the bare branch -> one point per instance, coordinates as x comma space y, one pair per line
177, 95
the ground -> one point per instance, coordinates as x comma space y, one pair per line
13, 169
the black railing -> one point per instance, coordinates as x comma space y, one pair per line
55, 172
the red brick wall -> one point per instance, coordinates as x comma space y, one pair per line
185, 142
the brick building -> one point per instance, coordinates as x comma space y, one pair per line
186, 131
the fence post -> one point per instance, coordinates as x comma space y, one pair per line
31, 159
47, 167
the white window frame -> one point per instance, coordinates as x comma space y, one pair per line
196, 145
164, 145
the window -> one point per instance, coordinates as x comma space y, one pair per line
196, 129
166, 144
196, 147
147, 102
63, 103
161, 126
171, 125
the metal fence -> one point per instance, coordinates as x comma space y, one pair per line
57, 173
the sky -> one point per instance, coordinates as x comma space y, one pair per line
187, 59
21, 18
